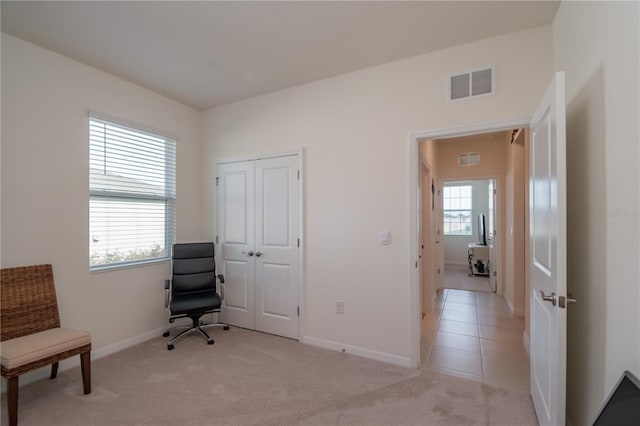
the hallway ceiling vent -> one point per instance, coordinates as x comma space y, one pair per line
471, 84
468, 159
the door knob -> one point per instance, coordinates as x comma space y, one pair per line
258, 254
551, 298
250, 253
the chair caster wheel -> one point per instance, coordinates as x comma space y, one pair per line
165, 334
170, 347
226, 327
210, 342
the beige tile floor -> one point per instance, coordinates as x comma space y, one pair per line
473, 335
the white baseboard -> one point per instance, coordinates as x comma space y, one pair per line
509, 304
456, 263
43, 373
117, 347
355, 350
514, 311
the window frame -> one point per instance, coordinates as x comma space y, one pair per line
445, 210
169, 193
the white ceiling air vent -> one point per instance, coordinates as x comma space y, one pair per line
472, 83
468, 159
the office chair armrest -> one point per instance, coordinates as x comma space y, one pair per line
167, 285
221, 279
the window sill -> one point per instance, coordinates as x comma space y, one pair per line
116, 267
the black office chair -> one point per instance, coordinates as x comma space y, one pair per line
191, 292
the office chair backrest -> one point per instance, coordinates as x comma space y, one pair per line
193, 268
28, 301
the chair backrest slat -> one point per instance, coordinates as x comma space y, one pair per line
28, 301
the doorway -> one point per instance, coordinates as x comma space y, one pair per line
470, 330
415, 222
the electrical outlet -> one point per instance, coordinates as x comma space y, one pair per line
339, 307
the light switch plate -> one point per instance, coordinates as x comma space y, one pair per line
385, 237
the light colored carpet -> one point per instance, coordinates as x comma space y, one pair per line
457, 277
250, 378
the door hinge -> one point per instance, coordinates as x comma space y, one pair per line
216, 239
438, 271
416, 263
217, 178
298, 174
298, 242
298, 310
494, 192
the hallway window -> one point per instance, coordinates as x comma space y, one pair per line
132, 193
457, 209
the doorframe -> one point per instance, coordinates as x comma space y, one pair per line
301, 253
414, 197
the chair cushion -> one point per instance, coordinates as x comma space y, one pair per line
194, 302
23, 350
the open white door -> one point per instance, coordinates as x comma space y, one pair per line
491, 236
439, 247
548, 257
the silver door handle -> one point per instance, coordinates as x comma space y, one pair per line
551, 298
250, 253
258, 254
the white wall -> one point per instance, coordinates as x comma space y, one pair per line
354, 129
597, 45
45, 186
455, 246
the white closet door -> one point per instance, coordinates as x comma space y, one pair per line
258, 230
277, 251
236, 231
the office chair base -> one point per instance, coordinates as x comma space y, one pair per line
196, 327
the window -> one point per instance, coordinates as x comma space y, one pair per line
132, 193
457, 210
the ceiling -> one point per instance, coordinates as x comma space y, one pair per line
206, 54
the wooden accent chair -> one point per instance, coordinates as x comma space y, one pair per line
31, 335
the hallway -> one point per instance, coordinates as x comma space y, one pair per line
474, 336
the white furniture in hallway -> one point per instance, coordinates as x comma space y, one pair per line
478, 257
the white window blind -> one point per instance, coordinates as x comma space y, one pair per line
132, 197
